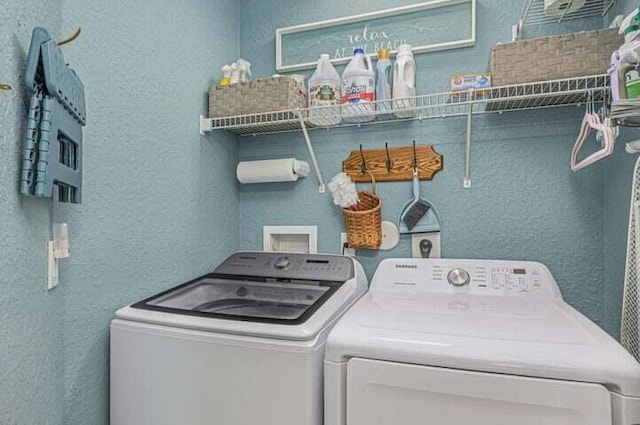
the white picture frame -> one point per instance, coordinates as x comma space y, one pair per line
434, 4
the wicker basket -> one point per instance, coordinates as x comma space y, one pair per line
364, 228
555, 57
253, 97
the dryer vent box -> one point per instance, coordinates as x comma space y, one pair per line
299, 239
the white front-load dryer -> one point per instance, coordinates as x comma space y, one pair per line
242, 345
461, 342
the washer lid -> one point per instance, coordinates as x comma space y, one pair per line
264, 301
536, 336
231, 298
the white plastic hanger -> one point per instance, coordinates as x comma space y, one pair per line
592, 121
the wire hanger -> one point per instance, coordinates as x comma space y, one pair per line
591, 121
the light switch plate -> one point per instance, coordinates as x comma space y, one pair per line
52, 267
433, 237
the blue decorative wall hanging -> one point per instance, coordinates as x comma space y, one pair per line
52, 152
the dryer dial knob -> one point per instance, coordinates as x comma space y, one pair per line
458, 277
282, 263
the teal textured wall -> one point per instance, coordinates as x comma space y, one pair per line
159, 203
31, 320
525, 202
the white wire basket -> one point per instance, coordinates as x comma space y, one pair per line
533, 11
533, 14
630, 329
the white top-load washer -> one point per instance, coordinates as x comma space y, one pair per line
474, 342
242, 345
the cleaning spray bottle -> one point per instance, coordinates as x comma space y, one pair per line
244, 69
235, 73
324, 94
384, 81
226, 76
358, 89
404, 82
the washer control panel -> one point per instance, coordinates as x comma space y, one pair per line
277, 265
490, 277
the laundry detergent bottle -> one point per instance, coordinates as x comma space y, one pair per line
324, 94
384, 76
358, 89
404, 83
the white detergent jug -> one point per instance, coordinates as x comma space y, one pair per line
404, 83
324, 94
358, 89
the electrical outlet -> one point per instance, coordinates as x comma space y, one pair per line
434, 238
343, 243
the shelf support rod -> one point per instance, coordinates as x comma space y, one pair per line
312, 154
467, 163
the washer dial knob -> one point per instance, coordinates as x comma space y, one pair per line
282, 263
458, 277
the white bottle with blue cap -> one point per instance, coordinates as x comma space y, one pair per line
358, 89
404, 83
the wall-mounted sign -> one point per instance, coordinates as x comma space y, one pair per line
427, 27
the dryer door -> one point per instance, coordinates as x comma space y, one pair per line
385, 393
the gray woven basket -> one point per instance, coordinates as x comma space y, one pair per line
253, 97
555, 57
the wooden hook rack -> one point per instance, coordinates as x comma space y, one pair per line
359, 164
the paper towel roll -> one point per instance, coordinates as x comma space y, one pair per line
557, 8
271, 170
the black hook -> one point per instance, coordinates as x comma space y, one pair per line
415, 158
363, 166
389, 163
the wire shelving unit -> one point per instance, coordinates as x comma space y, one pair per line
543, 94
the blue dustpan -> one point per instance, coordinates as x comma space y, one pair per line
429, 222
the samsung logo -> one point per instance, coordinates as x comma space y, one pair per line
405, 283
406, 266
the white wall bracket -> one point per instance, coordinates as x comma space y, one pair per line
516, 31
205, 125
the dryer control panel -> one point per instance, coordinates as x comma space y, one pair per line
489, 277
